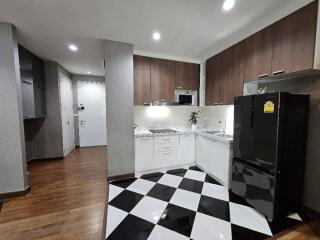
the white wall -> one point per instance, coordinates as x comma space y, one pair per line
162, 116
66, 103
215, 117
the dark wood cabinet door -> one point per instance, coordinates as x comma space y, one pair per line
213, 83
258, 55
224, 76
209, 81
142, 80
162, 80
294, 41
187, 76
234, 86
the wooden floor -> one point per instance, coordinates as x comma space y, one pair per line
309, 231
67, 200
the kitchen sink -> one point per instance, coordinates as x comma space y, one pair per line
155, 131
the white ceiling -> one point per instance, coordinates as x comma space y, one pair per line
191, 30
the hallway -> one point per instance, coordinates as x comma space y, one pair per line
67, 200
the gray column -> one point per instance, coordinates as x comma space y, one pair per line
119, 88
12, 146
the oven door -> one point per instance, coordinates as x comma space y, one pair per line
185, 99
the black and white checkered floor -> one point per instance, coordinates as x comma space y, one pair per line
183, 204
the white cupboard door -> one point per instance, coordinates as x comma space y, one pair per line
220, 160
144, 154
202, 152
187, 149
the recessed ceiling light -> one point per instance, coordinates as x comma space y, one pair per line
88, 72
73, 47
156, 36
228, 5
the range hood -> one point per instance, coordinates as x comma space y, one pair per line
164, 103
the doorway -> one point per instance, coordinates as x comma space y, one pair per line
92, 113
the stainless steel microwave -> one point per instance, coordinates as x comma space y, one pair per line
186, 97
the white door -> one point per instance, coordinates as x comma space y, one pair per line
92, 113
66, 101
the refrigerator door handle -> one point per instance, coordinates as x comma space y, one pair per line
252, 115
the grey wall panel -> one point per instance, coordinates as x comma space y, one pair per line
13, 175
119, 85
47, 140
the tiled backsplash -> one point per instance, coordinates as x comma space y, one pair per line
215, 117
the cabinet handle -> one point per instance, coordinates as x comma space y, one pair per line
178, 87
163, 100
278, 72
146, 104
263, 75
27, 82
166, 153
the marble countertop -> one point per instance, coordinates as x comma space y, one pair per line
182, 131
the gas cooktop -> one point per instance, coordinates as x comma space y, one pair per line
155, 131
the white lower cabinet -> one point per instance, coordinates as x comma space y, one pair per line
169, 151
187, 153
144, 154
166, 151
215, 157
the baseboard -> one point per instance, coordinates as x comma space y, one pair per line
15, 194
44, 159
165, 169
309, 213
120, 177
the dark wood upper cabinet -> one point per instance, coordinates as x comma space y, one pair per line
32, 84
257, 51
142, 80
212, 83
163, 74
224, 76
187, 76
294, 41
157, 79
232, 62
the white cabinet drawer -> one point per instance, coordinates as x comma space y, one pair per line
166, 144
166, 159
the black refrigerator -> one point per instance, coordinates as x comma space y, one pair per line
270, 134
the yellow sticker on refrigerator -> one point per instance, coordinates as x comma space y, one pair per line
268, 107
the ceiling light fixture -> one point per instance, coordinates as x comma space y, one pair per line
156, 36
88, 72
228, 5
73, 47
